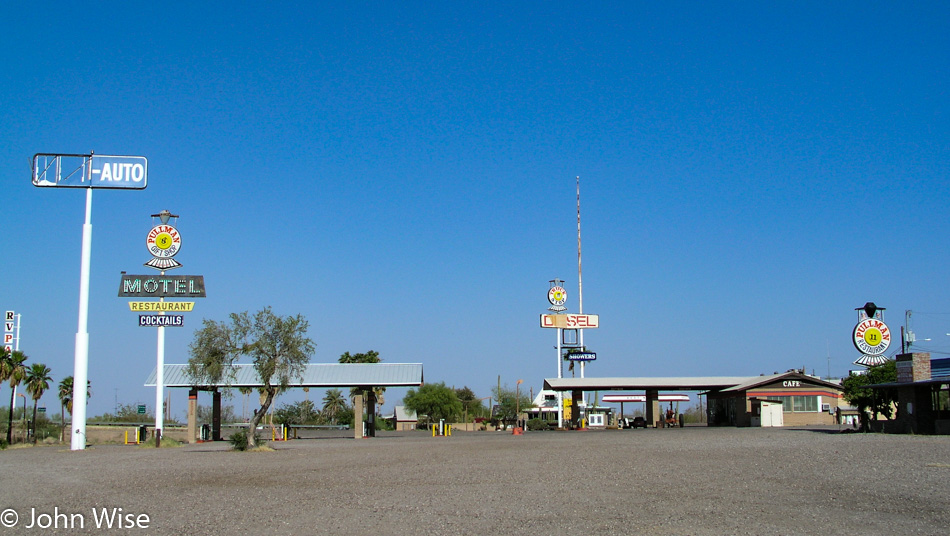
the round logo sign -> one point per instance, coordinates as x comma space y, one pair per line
872, 337
163, 241
557, 296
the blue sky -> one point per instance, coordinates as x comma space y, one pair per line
403, 175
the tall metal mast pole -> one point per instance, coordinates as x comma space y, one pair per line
160, 380
580, 279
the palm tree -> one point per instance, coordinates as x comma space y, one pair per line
13, 370
333, 404
570, 363
66, 400
380, 396
4, 364
4, 359
37, 382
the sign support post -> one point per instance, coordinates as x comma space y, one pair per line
160, 381
580, 279
81, 361
560, 395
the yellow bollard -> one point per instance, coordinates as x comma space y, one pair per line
433, 430
448, 429
126, 437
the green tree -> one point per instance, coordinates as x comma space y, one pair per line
66, 400
346, 417
877, 401
12, 370
278, 347
510, 402
205, 414
303, 412
570, 363
470, 403
334, 404
369, 357
37, 382
435, 401
65, 393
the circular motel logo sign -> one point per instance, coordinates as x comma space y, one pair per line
872, 337
557, 295
163, 241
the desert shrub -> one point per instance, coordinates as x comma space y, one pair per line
239, 439
537, 424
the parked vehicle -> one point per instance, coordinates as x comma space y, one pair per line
636, 422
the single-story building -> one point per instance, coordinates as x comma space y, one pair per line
805, 400
923, 395
404, 419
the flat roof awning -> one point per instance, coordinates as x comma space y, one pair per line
636, 384
314, 375
940, 380
610, 399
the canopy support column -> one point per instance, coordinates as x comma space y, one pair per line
652, 407
192, 415
216, 416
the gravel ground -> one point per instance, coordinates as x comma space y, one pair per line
684, 481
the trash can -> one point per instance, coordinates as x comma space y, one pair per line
143, 433
205, 432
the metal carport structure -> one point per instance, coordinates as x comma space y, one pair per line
364, 376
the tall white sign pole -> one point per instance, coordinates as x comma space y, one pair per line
580, 284
560, 397
81, 364
160, 380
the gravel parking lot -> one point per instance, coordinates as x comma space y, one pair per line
681, 481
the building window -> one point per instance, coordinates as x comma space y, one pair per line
798, 404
